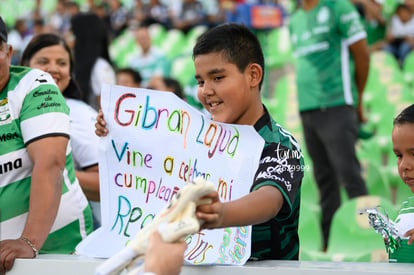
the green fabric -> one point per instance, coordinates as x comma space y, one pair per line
324, 67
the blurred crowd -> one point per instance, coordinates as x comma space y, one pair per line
116, 18
389, 24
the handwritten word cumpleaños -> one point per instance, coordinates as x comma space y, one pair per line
149, 187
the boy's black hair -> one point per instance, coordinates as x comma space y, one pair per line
406, 116
237, 44
136, 76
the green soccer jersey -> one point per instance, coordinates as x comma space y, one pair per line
375, 31
281, 166
324, 68
32, 107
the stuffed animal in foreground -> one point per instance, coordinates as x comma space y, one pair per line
174, 222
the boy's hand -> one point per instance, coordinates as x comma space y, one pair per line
410, 234
210, 214
100, 125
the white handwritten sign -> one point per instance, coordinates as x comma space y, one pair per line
156, 144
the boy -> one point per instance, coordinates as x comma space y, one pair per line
229, 69
403, 147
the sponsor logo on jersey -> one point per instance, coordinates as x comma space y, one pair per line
5, 116
8, 136
11, 165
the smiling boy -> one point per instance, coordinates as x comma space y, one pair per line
229, 69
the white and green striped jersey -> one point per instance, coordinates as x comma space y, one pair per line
320, 40
31, 108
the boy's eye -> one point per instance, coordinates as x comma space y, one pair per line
200, 83
218, 78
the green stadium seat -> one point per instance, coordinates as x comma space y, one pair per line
182, 69
8, 13
121, 48
408, 70
277, 48
49, 6
351, 238
310, 192
387, 65
196, 31
174, 41
284, 102
191, 38
310, 233
376, 180
369, 151
157, 33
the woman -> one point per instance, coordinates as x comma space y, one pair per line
50, 53
93, 65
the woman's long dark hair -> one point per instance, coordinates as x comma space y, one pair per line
44, 40
91, 42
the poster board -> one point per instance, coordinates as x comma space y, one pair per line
156, 144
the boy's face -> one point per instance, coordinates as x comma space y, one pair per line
403, 147
227, 94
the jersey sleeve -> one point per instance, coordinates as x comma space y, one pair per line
44, 111
84, 141
102, 73
349, 22
282, 168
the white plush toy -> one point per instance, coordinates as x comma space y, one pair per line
174, 222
